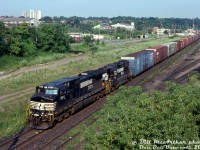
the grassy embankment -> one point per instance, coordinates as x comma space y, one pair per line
194, 83
13, 119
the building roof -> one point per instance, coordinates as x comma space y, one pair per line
17, 19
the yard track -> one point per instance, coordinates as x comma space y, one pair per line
19, 139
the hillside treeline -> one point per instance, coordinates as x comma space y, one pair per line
143, 23
24, 40
132, 116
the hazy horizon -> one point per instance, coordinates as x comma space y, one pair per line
103, 8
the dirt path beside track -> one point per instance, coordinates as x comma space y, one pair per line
52, 64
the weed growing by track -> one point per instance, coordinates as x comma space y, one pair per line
13, 117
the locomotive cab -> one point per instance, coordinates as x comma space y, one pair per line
50, 101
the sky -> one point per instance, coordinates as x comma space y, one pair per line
104, 8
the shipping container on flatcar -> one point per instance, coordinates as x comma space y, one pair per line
171, 48
140, 61
160, 53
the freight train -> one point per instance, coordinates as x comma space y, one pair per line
59, 99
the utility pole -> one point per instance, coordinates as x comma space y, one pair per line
193, 25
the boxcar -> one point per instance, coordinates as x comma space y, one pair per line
140, 61
171, 48
185, 41
179, 45
160, 53
189, 40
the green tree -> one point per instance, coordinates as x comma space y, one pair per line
88, 40
47, 19
3, 44
20, 41
52, 37
132, 115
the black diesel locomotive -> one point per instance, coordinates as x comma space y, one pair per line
58, 99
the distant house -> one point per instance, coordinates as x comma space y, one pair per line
103, 26
78, 36
160, 31
18, 21
125, 26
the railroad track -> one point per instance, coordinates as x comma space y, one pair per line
74, 136
59, 141
185, 77
184, 67
19, 139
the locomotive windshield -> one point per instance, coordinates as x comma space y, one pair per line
47, 91
51, 92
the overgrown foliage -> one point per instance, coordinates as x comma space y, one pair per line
24, 40
89, 41
51, 37
132, 115
3, 46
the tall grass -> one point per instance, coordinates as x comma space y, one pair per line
13, 117
11, 63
